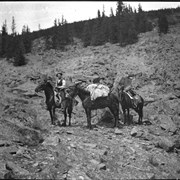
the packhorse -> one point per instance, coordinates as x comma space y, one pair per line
46, 86
110, 101
126, 104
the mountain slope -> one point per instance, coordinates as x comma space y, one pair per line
132, 152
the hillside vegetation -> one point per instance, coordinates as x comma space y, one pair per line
122, 26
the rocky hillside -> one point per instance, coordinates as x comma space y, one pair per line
31, 148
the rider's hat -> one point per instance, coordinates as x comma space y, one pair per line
59, 73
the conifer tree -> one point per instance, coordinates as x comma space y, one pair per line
103, 13
112, 14
119, 19
26, 38
104, 30
113, 30
39, 27
61, 35
163, 24
19, 58
99, 14
55, 22
13, 27
120, 7
4, 39
96, 31
86, 34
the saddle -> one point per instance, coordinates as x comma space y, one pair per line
133, 96
57, 97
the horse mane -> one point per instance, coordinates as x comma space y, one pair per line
50, 84
84, 90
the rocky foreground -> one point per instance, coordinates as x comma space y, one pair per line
33, 149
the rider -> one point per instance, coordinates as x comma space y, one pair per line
126, 82
60, 84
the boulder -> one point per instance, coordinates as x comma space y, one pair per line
30, 137
150, 175
98, 165
102, 166
166, 107
52, 141
177, 110
176, 120
177, 85
5, 143
136, 132
90, 145
165, 143
16, 169
177, 143
166, 123
118, 131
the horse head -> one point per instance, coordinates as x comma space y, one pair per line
45, 81
120, 91
73, 90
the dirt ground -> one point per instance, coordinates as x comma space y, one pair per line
31, 148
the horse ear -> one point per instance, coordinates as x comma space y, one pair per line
46, 78
49, 78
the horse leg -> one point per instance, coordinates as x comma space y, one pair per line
140, 113
124, 113
70, 112
52, 116
65, 117
116, 120
88, 114
115, 113
128, 117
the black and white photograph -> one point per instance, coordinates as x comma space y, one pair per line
89, 90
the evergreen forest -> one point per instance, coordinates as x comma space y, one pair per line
122, 26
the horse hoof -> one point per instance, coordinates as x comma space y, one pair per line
64, 124
89, 127
115, 126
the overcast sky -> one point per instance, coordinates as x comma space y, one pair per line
33, 13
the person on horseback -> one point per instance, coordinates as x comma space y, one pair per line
126, 83
60, 84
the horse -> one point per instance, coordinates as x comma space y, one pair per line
48, 89
110, 101
126, 104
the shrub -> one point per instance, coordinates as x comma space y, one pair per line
163, 24
19, 58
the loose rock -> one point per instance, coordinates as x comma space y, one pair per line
165, 143
167, 124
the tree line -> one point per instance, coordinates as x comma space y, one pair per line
121, 26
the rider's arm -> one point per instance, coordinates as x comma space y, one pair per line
63, 84
56, 83
127, 88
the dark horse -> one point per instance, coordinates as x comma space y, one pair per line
126, 104
52, 105
111, 101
